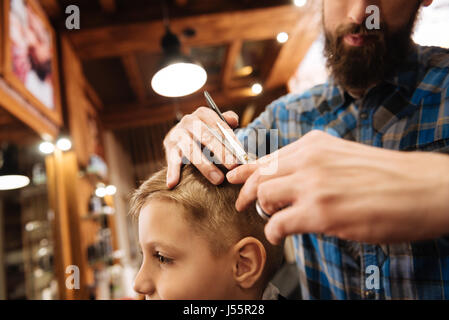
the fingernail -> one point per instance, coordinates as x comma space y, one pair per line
171, 181
237, 205
272, 234
215, 177
230, 175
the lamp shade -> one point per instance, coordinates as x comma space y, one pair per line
178, 75
10, 177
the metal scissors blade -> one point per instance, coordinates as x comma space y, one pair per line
224, 141
213, 105
237, 149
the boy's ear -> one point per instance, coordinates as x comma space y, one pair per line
250, 258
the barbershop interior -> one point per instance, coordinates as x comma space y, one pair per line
85, 106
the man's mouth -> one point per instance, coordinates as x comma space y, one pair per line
356, 40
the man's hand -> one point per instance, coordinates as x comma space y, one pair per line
182, 141
336, 187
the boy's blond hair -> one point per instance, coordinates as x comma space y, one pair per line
211, 212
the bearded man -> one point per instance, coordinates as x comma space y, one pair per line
366, 203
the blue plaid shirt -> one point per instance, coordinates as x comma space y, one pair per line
409, 111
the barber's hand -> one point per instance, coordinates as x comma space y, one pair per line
331, 186
181, 141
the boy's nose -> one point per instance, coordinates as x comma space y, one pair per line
143, 284
357, 10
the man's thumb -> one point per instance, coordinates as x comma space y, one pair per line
282, 224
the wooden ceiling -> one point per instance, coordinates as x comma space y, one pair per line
119, 44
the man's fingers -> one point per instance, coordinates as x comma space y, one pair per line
276, 194
240, 174
271, 165
195, 155
291, 220
181, 141
248, 193
173, 154
202, 133
210, 118
232, 118
281, 179
174, 162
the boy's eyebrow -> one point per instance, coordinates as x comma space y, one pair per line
155, 244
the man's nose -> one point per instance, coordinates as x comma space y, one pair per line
357, 10
144, 284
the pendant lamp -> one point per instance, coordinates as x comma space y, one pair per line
10, 176
178, 74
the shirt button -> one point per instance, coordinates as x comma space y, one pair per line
364, 115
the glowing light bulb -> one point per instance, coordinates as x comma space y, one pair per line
111, 190
46, 147
257, 88
282, 37
100, 192
300, 3
64, 144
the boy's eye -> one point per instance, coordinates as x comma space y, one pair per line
162, 259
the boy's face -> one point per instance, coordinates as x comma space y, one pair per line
177, 262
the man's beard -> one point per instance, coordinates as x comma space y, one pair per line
380, 56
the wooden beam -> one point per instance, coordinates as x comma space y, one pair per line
63, 192
151, 10
212, 29
134, 115
92, 95
108, 6
181, 3
134, 76
293, 51
231, 57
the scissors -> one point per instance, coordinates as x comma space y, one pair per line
233, 146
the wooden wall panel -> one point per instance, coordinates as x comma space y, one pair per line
80, 108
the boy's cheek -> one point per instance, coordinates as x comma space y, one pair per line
180, 284
192, 283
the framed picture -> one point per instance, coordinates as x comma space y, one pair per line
29, 55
